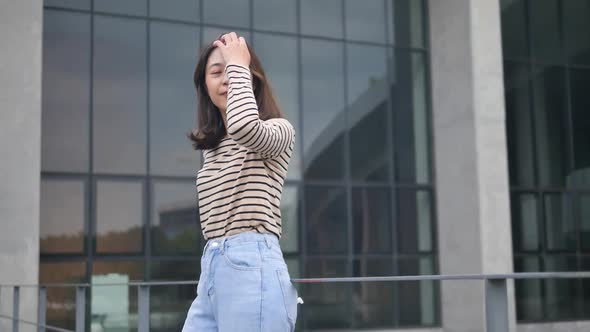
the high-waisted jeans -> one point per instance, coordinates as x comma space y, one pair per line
244, 287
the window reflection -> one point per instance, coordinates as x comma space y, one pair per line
417, 298
414, 222
373, 302
372, 218
175, 221
185, 10
321, 18
324, 121
234, 13
119, 95
365, 20
129, 7
61, 301
169, 304
276, 15
172, 97
66, 67
368, 113
327, 305
580, 104
63, 215
326, 221
114, 307
119, 217
411, 133
577, 30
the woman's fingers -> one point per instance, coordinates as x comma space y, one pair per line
242, 40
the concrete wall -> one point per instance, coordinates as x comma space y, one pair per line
474, 228
21, 24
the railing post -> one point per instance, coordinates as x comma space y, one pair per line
144, 308
80, 308
15, 308
496, 297
41, 318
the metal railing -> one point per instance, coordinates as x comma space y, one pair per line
495, 297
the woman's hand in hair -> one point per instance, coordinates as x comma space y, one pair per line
233, 49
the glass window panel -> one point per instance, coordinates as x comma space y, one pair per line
583, 208
326, 221
580, 104
72, 4
514, 36
519, 125
577, 30
373, 302
545, 39
129, 7
185, 10
525, 219
212, 34
368, 113
585, 266
414, 222
290, 219
66, 91
276, 15
411, 119
562, 296
61, 301
529, 304
114, 307
63, 215
119, 95
550, 107
119, 217
172, 99
234, 13
169, 304
418, 298
278, 55
327, 305
406, 23
559, 224
372, 218
321, 18
365, 20
175, 222
323, 109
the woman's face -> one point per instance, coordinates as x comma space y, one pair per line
216, 80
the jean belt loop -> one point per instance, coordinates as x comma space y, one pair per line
222, 245
267, 240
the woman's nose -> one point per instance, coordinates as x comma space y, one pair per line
224, 81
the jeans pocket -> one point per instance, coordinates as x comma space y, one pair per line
244, 257
289, 295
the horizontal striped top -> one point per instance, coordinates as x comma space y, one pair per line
240, 184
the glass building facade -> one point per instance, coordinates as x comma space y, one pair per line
118, 199
546, 46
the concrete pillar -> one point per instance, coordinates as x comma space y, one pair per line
474, 228
21, 25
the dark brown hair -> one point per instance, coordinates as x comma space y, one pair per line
210, 128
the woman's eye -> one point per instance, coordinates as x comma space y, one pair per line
216, 73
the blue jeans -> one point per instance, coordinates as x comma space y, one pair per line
244, 286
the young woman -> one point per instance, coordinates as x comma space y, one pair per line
247, 145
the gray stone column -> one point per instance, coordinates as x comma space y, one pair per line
474, 228
21, 25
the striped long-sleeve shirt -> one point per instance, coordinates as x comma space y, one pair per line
240, 184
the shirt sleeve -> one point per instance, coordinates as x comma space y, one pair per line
270, 138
